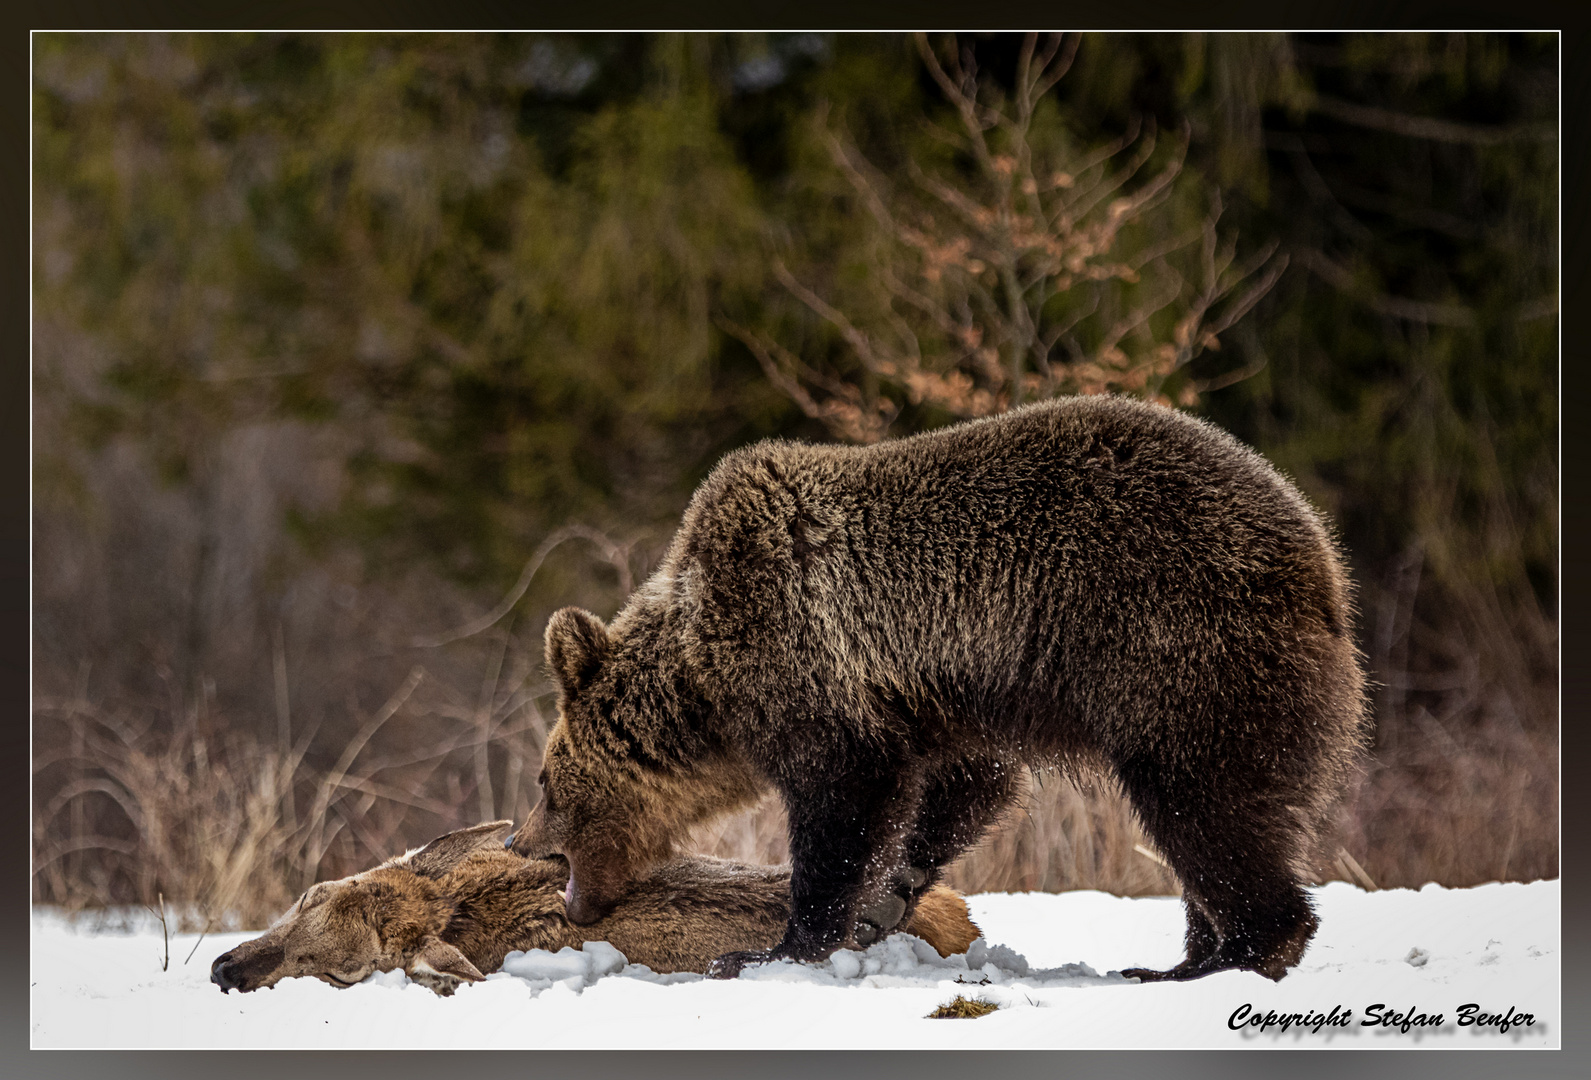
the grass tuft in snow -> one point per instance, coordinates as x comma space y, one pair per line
963, 1008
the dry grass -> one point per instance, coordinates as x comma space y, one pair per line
134, 803
229, 829
1062, 836
178, 801
140, 816
963, 1008
758, 835
1458, 807
1462, 784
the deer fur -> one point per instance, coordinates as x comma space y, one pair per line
451, 911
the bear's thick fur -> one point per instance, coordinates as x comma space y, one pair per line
886, 635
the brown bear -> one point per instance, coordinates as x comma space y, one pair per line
886, 635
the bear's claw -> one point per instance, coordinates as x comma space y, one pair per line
880, 919
889, 914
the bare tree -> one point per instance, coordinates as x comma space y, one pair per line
1028, 269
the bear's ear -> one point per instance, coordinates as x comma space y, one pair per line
577, 643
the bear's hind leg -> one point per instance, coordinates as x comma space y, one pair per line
1201, 942
1264, 924
1246, 908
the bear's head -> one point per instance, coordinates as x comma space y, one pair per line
601, 805
626, 774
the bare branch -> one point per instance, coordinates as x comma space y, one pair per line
1160, 251
932, 309
859, 342
946, 84
1100, 155
1254, 295
845, 412
1084, 202
1024, 86
963, 97
1221, 382
1428, 127
966, 272
762, 349
853, 170
1340, 278
1062, 66
610, 550
1061, 329
1134, 319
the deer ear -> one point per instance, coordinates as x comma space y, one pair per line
577, 643
446, 852
441, 967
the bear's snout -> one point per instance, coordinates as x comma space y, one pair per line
531, 839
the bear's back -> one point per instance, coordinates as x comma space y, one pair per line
1066, 545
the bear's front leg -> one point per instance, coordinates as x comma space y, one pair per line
961, 798
847, 836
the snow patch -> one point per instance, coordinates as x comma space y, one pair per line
900, 960
99, 982
903, 960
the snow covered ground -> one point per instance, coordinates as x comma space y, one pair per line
1378, 955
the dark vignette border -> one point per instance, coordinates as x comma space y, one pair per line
1575, 519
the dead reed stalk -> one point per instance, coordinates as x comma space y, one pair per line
128, 807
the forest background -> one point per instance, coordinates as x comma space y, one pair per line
355, 356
